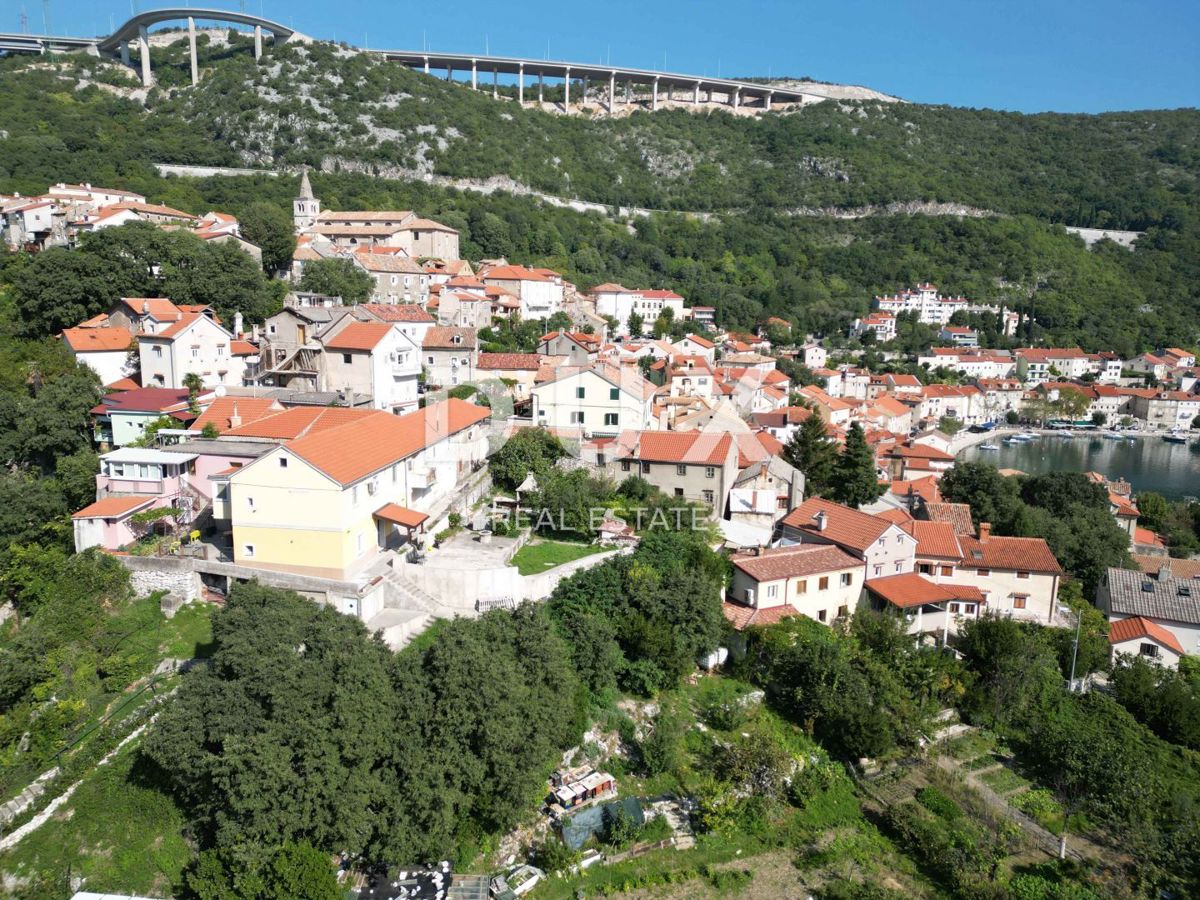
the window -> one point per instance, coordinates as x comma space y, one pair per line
772, 590
823, 583
579, 393
611, 418
947, 570
1019, 601
431, 360
899, 565
625, 466
248, 550
821, 616
969, 609
954, 608
577, 418
847, 579
710, 472
925, 568
613, 394
347, 359
195, 353
157, 350
1149, 650
843, 611
983, 573
708, 497
678, 492
882, 541
1022, 574
283, 462
250, 502
878, 570
645, 468
681, 470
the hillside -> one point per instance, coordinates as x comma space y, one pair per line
330, 107
378, 130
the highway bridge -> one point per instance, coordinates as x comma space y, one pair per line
615, 83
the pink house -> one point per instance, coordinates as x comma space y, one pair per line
106, 523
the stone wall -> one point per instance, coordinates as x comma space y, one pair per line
178, 577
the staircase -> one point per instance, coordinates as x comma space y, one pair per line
407, 609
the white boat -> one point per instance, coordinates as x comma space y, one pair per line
1013, 439
989, 446
1113, 436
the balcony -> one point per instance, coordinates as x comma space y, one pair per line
423, 478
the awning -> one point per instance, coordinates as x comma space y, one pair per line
407, 518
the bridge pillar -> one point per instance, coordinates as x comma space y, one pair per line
124, 53
767, 99
737, 97
495, 85
427, 65
258, 42
585, 87
567, 90
192, 49
144, 52
696, 94
612, 91
628, 91
654, 100
521, 84
449, 72
474, 77
541, 84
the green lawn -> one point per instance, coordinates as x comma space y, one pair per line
540, 556
1003, 781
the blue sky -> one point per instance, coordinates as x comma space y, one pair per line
1064, 55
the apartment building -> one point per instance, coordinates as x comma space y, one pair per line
823, 583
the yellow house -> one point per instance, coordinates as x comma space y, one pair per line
327, 503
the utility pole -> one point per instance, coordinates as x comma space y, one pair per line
1074, 656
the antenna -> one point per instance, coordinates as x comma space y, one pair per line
24, 20
45, 16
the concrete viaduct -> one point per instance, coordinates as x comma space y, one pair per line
663, 85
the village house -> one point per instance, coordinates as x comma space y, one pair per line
409, 319
598, 399
121, 417
578, 348
970, 361
539, 291
883, 546
448, 356
692, 465
518, 371
1153, 615
109, 352
959, 336
372, 359
327, 503
880, 324
195, 344
821, 582
619, 303
398, 278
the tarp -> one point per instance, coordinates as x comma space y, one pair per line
590, 821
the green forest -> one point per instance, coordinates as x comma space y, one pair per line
79, 120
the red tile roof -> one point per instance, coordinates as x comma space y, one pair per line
795, 562
1148, 538
1018, 554
1180, 568
149, 399
113, 508
510, 361
910, 589
397, 312
443, 339
361, 336
935, 539
1137, 627
843, 525
401, 515
299, 421
742, 617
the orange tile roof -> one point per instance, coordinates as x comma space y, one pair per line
242, 348
160, 308
1137, 627
794, 562
909, 590
843, 525
1023, 554
401, 515
249, 409
361, 336
695, 447
299, 421
926, 488
703, 342
97, 340
514, 273
896, 516
151, 209
353, 451
1147, 537
742, 617
443, 339
957, 514
113, 507
935, 539
123, 384
176, 328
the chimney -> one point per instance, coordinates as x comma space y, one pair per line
758, 551
985, 530
237, 324
1164, 571
821, 520
235, 420
145, 307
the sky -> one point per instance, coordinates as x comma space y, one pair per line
1025, 55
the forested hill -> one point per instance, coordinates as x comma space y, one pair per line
320, 105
